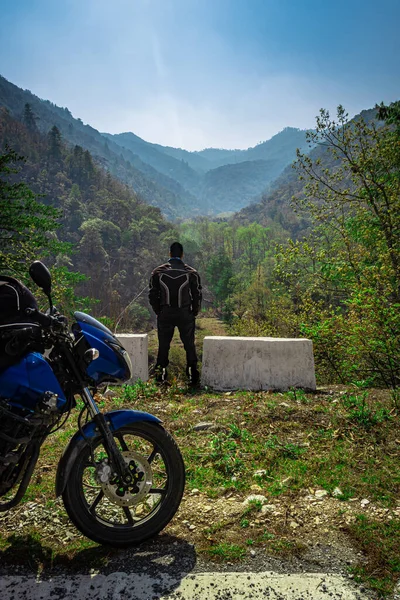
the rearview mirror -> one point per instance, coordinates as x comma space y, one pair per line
41, 276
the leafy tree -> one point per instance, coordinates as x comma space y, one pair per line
349, 267
26, 224
219, 274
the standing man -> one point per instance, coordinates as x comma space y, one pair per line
175, 297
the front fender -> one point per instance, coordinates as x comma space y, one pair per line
115, 420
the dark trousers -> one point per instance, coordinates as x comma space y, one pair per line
184, 320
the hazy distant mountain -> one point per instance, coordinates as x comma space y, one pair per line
239, 182
218, 157
182, 184
281, 147
275, 203
154, 187
222, 180
175, 168
193, 159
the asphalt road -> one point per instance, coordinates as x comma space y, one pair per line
200, 586
158, 571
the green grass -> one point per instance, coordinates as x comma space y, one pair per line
381, 543
226, 552
321, 441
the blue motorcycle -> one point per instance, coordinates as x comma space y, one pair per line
121, 476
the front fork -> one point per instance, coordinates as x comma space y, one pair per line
117, 462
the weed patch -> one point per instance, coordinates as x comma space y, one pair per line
380, 543
226, 552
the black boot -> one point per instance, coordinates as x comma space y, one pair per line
160, 374
193, 374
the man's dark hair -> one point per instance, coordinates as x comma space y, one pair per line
176, 249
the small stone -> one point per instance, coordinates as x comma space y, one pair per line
192, 527
337, 492
252, 553
195, 491
320, 493
364, 502
204, 426
268, 508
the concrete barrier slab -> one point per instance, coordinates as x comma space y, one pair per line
137, 347
257, 363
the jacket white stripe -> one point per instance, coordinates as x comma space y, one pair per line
166, 290
180, 291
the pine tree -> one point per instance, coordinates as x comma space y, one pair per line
54, 138
29, 118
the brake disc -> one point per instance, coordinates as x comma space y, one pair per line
135, 492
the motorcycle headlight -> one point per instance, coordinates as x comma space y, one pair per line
91, 354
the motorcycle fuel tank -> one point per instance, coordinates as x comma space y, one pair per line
24, 383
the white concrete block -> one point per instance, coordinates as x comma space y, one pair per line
137, 347
257, 363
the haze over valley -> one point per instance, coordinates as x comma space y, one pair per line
182, 184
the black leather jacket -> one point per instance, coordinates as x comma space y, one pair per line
175, 284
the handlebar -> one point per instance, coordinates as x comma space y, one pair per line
57, 323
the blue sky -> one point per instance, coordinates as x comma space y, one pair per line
201, 73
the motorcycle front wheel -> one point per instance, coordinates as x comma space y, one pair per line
111, 514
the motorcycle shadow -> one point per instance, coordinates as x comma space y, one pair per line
162, 563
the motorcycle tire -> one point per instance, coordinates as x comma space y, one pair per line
106, 512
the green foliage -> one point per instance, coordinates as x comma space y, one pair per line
340, 284
26, 225
118, 239
29, 118
350, 265
361, 414
225, 551
219, 275
225, 453
140, 389
380, 542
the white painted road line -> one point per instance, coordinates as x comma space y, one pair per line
201, 586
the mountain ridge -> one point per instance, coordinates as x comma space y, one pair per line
180, 182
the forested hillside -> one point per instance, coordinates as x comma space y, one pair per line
241, 182
276, 202
182, 184
178, 169
154, 187
117, 238
223, 181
